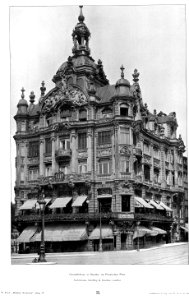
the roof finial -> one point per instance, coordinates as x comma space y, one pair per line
42, 88
81, 17
136, 75
122, 73
32, 97
22, 95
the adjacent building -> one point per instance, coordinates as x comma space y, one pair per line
108, 168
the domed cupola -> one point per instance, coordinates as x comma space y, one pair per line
22, 105
123, 85
81, 36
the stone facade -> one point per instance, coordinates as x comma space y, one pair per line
86, 137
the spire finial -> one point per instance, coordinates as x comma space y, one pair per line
42, 88
122, 71
32, 97
81, 17
22, 95
136, 75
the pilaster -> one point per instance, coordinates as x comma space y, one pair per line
41, 153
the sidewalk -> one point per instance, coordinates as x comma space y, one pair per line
90, 253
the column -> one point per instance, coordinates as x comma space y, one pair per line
89, 146
118, 241
175, 168
73, 146
129, 240
116, 151
131, 157
113, 153
152, 160
53, 140
162, 163
41, 153
141, 141
95, 142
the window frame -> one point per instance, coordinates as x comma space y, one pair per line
82, 140
104, 137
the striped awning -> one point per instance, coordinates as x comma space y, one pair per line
62, 233
60, 202
27, 234
185, 228
156, 205
107, 233
28, 204
104, 196
159, 230
140, 202
141, 231
79, 201
167, 208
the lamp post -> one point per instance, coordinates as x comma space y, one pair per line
42, 203
138, 245
100, 241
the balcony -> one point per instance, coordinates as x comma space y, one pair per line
152, 217
62, 154
53, 217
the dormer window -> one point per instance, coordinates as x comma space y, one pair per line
123, 111
82, 115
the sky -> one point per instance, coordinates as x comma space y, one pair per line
149, 38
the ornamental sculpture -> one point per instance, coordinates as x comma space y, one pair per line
61, 96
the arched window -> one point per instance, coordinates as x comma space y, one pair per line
124, 110
82, 115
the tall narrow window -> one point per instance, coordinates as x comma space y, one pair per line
33, 173
82, 166
82, 140
48, 146
124, 165
104, 167
82, 115
125, 202
124, 136
48, 170
104, 137
65, 144
33, 149
22, 173
124, 111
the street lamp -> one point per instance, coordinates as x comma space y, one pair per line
100, 242
138, 246
42, 203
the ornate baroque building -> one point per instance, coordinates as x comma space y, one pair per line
101, 160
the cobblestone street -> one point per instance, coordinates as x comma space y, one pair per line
171, 254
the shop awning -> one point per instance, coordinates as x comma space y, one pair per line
167, 208
104, 196
60, 202
156, 205
140, 202
27, 234
141, 231
185, 228
107, 233
159, 230
29, 204
79, 201
62, 233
